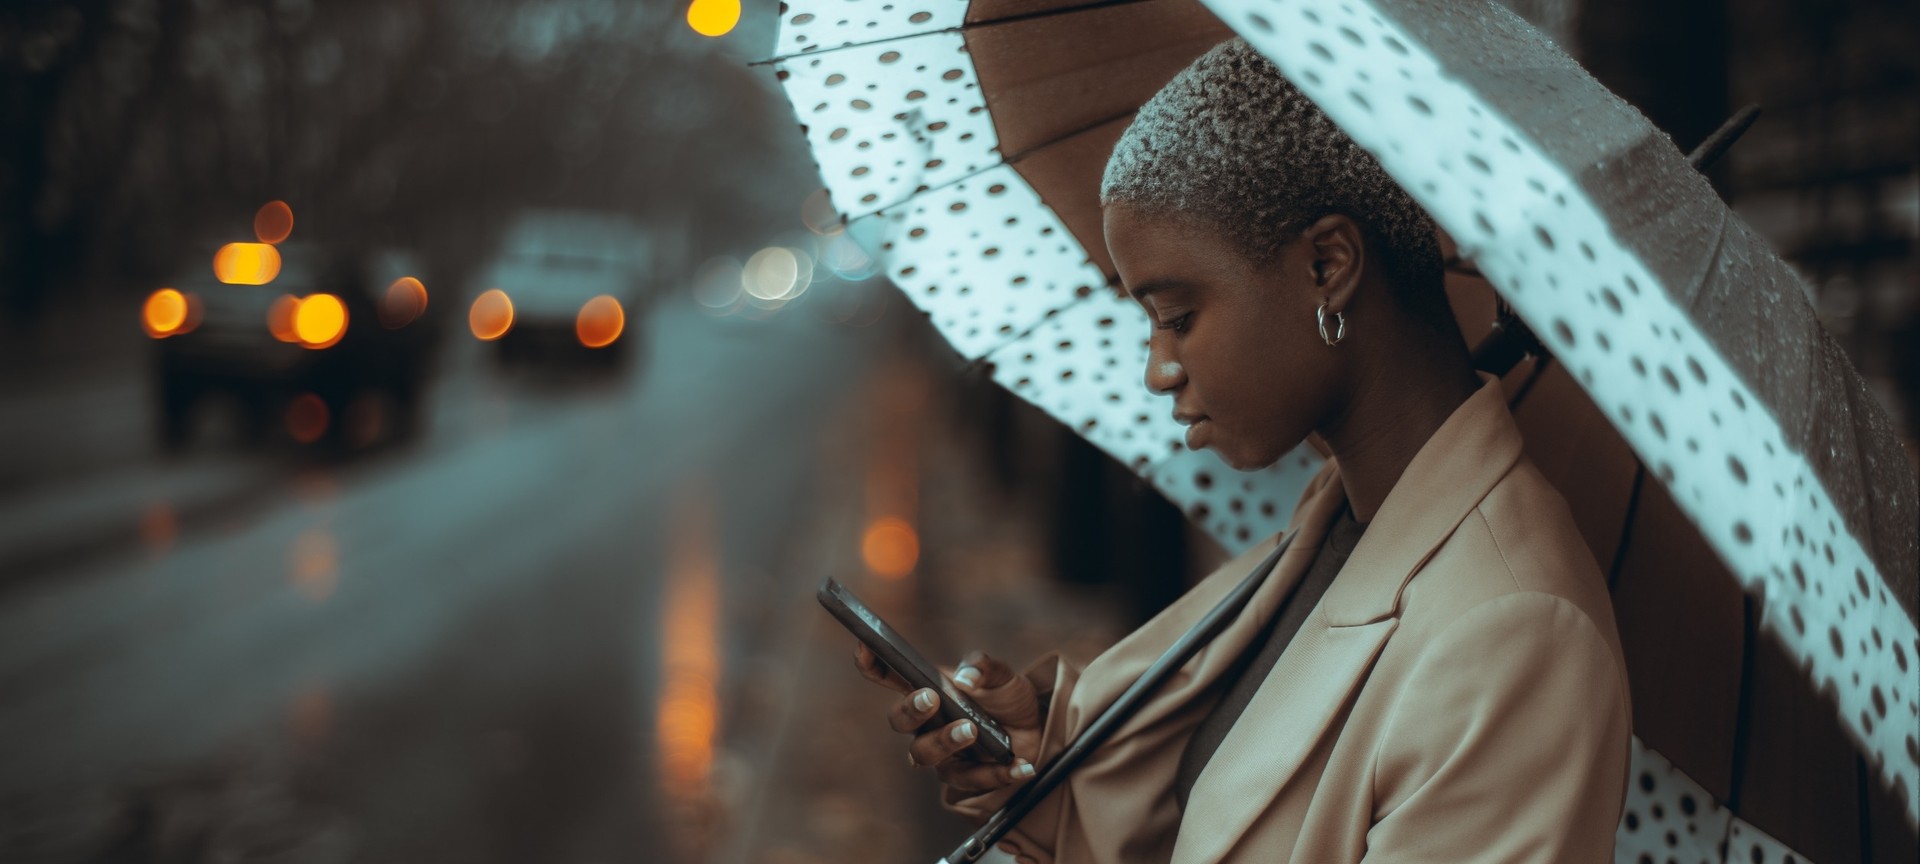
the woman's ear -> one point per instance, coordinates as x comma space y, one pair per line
1335, 248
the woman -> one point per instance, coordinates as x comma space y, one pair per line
1432, 671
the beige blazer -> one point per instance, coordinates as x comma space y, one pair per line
1458, 695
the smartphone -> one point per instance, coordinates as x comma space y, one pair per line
990, 742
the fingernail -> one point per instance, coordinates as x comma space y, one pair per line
963, 732
923, 700
1023, 770
967, 677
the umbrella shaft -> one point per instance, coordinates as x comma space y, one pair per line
1119, 712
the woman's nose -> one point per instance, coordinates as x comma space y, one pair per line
1164, 374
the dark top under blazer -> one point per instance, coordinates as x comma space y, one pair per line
1250, 672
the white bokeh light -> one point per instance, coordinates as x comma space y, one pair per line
770, 274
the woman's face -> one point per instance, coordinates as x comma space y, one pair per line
1234, 341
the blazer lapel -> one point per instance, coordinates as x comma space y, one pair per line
1330, 658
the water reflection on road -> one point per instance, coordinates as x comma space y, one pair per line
690, 667
507, 644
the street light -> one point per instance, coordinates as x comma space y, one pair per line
713, 17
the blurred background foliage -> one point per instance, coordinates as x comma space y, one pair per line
140, 134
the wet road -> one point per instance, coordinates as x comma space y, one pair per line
504, 644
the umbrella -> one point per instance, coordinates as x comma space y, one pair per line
963, 144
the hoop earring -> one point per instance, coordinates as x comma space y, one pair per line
1340, 331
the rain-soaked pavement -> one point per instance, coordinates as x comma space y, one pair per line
509, 642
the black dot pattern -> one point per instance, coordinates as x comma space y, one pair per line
1528, 224
989, 267
809, 27
1669, 817
1234, 506
1086, 365
887, 120
1748, 843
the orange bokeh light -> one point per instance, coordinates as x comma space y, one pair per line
320, 321
307, 418
316, 564
491, 316
600, 322
689, 720
280, 318
273, 222
164, 313
405, 300
159, 526
891, 547
246, 263
713, 17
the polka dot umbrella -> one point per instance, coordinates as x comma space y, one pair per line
963, 144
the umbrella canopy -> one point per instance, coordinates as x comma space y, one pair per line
964, 144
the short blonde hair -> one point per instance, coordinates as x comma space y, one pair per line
1230, 140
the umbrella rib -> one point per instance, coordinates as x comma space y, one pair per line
1713, 258
1540, 364
1626, 525
970, 25
1743, 710
1070, 135
1005, 161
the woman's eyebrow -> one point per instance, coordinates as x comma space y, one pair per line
1141, 292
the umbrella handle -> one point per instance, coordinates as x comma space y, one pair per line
1055, 772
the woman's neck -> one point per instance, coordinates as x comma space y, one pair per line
1399, 401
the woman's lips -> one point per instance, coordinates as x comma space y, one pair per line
1198, 433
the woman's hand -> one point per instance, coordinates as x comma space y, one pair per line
1007, 697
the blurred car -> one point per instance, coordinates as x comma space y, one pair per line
565, 286
333, 348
